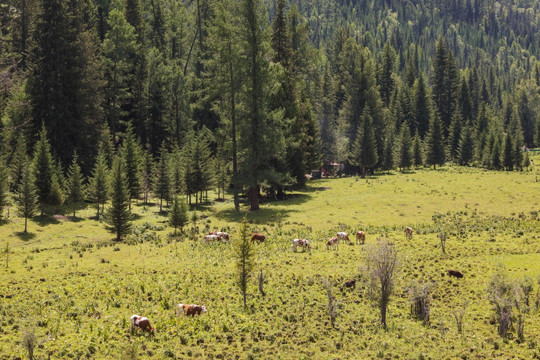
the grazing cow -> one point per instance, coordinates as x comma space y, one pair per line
190, 310
302, 243
258, 237
455, 273
343, 236
221, 234
209, 238
332, 242
140, 322
408, 232
351, 284
361, 237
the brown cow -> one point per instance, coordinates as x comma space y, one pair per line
190, 310
140, 322
455, 273
257, 236
332, 242
408, 232
361, 237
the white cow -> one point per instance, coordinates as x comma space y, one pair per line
301, 243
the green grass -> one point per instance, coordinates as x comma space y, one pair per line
76, 289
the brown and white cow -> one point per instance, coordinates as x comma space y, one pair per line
258, 237
190, 310
142, 323
408, 232
212, 238
303, 243
343, 236
360, 237
332, 242
223, 235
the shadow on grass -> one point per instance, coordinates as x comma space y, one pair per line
44, 220
263, 216
25, 236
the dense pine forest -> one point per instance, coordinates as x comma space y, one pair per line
172, 97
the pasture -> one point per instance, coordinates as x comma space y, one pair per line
75, 289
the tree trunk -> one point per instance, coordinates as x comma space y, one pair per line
254, 198
160, 204
383, 315
363, 172
97, 215
245, 302
25, 224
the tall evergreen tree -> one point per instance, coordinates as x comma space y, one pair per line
97, 187
418, 156
388, 162
18, 162
43, 169
455, 135
421, 107
148, 173
244, 253
405, 148
281, 42
132, 160
445, 83
162, 184
26, 197
435, 154
118, 215
496, 154
508, 152
4, 188
75, 184
178, 217
386, 83
466, 146
364, 149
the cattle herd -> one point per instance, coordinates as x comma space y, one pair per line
142, 323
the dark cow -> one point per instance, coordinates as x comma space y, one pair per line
258, 237
455, 273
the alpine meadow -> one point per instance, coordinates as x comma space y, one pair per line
269, 179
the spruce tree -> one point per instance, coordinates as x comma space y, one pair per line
435, 154
26, 196
75, 184
418, 155
4, 188
178, 217
98, 188
176, 172
162, 184
18, 162
386, 81
455, 135
466, 146
405, 148
281, 43
56, 195
118, 215
516, 131
508, 153
43, 169
148, 172
244, 253
132, 161
496, 154
421, 107
364, 149
389, 151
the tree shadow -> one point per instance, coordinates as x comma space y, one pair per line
263, 216
44, 220
25, 236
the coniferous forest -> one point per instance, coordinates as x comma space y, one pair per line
253, 95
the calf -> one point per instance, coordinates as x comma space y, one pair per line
302, 243
455, 273
361, 237
258, 237
190, 310
343, 236
140, 322
408, 232
332, 242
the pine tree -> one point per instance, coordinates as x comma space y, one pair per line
405, 147
244, 253
421, 107
148, 172
418, 155
176, 172
435, 154
43, 169
132, 161
388, 163
162, 184
179, 214
56, 195
508, 153
466, 146
18, 162
515, 130
75, 184
387, 72
455, 135
281, 42
98, 189
118, 215
364, 149
4, 188
26, 197
496, 155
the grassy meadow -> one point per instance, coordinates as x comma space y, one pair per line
75, 289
